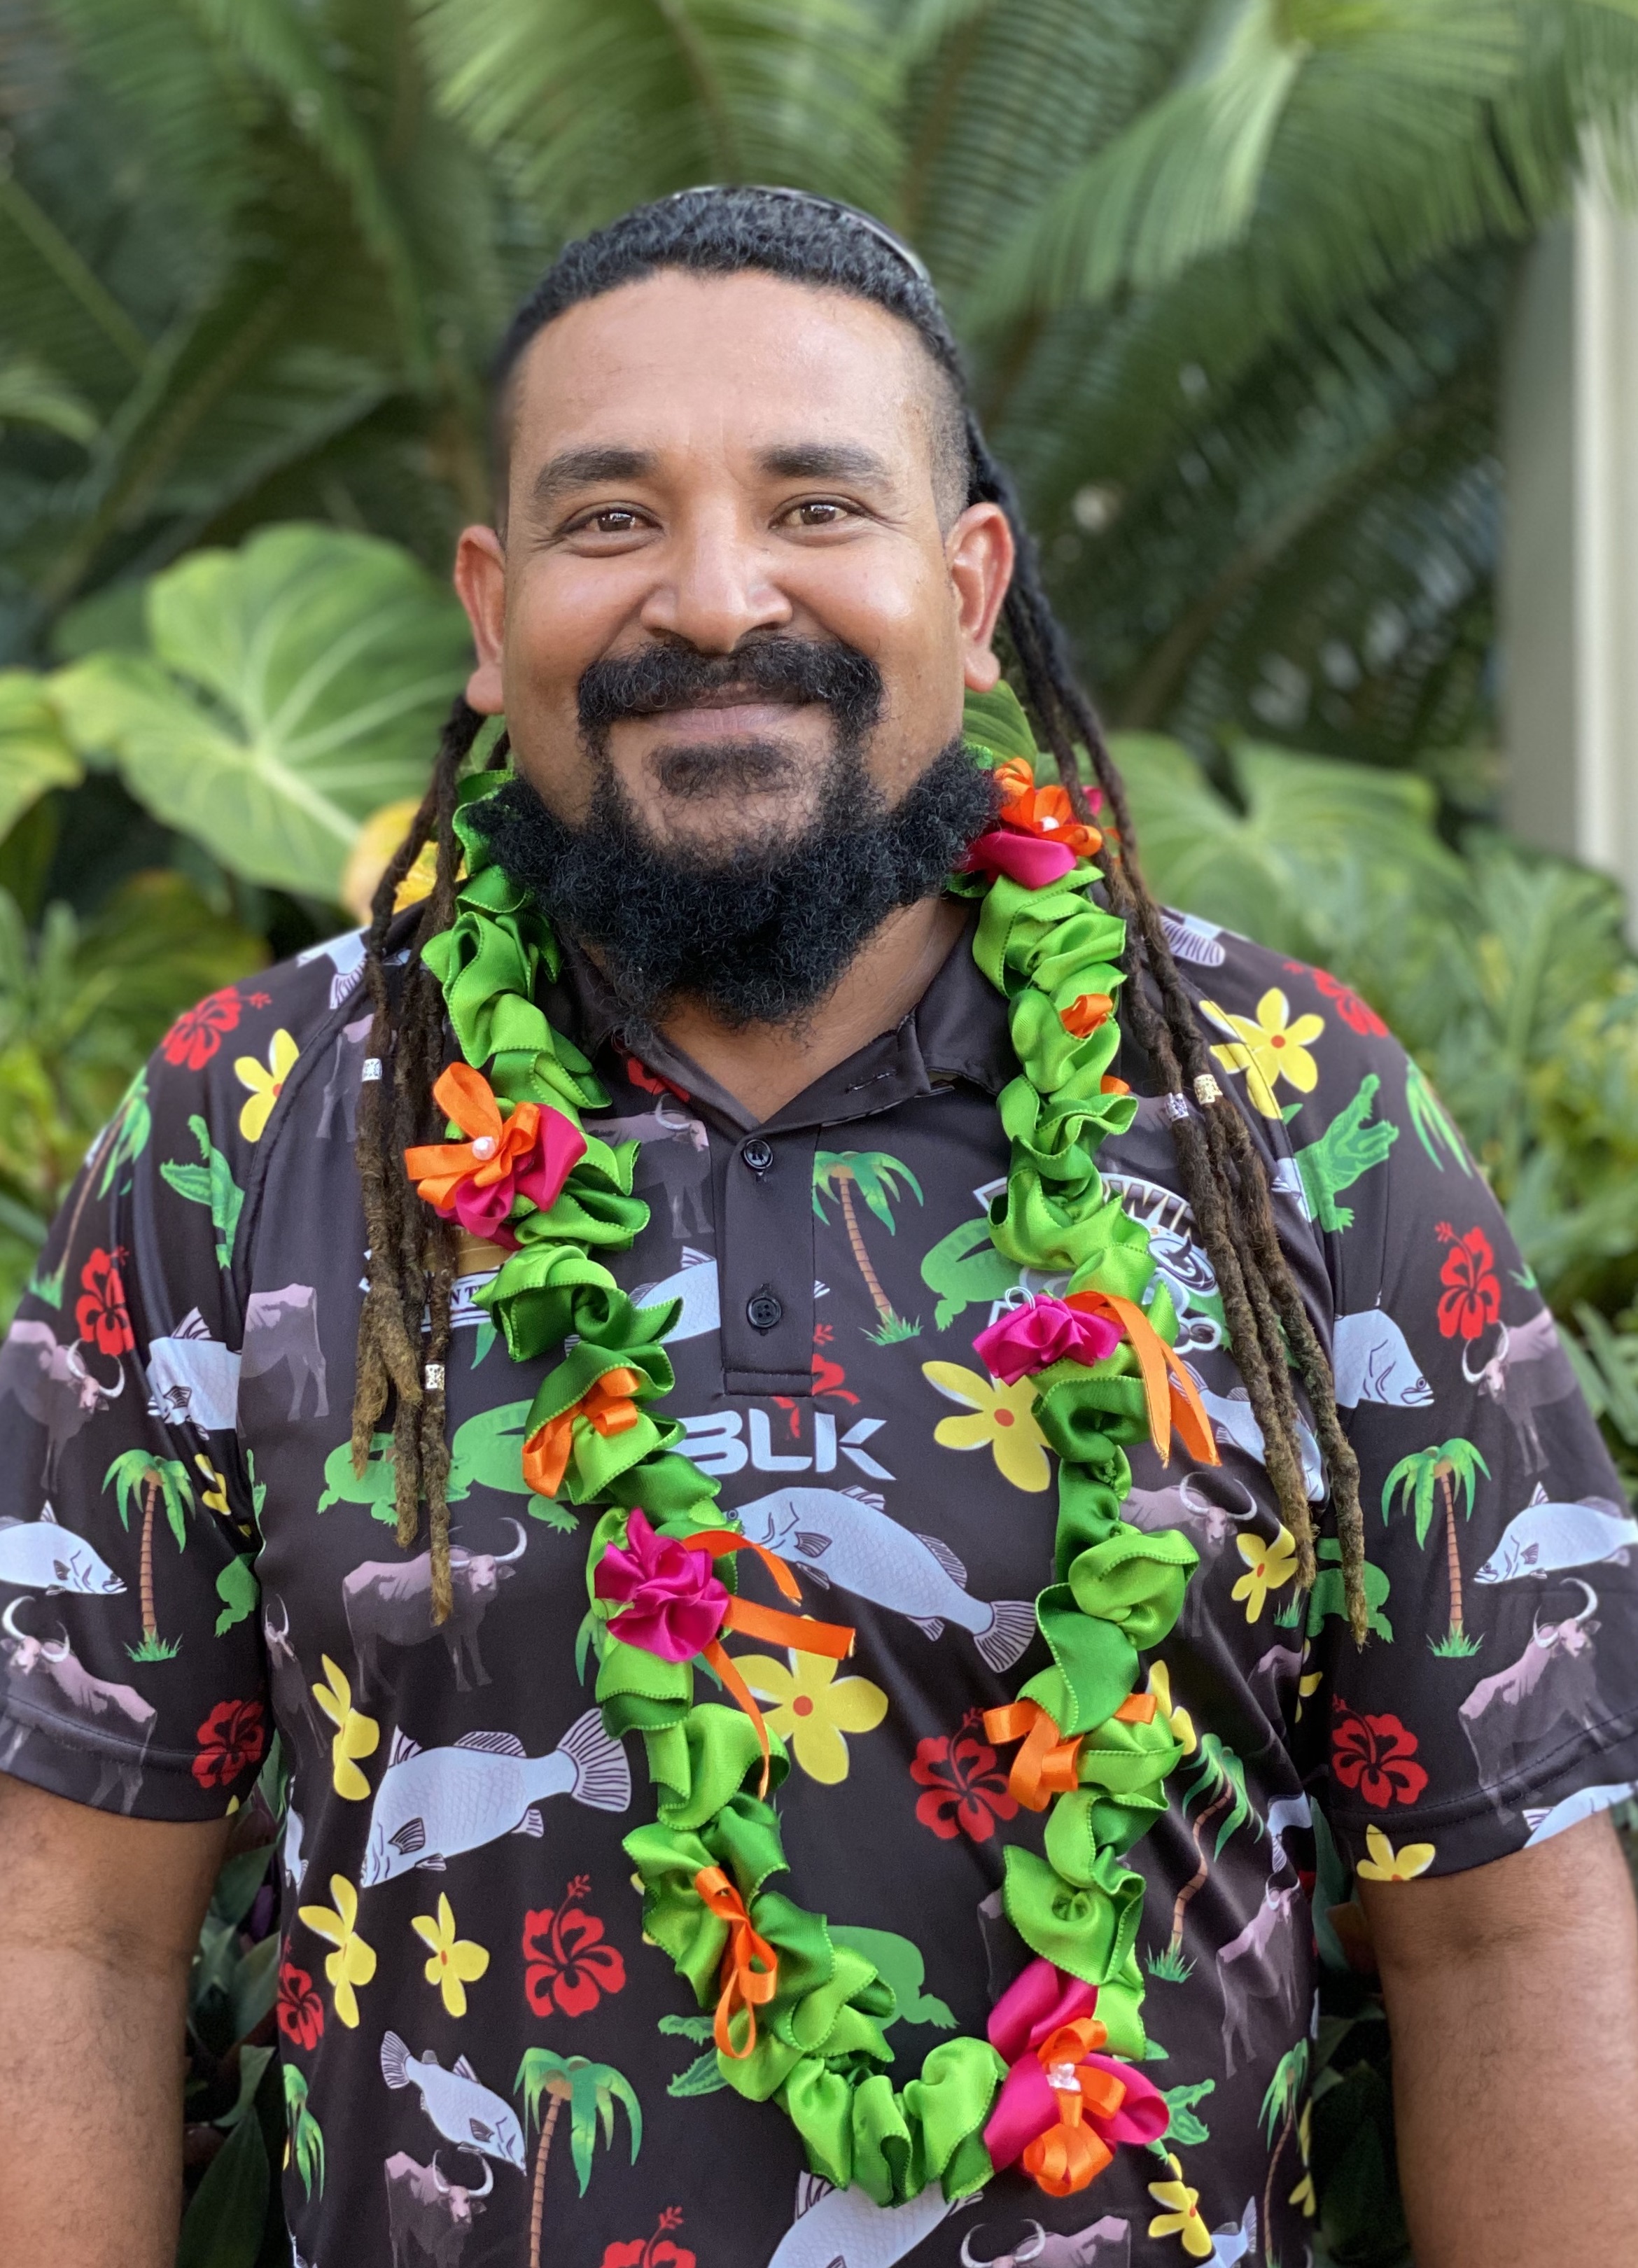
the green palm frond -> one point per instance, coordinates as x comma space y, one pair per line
872, 1173
1284, 2090
591, 2090
1218, 1770
603, 103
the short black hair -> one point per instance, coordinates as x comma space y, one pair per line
765, 231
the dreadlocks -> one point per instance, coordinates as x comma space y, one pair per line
403, 1332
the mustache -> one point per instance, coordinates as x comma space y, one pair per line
793, 670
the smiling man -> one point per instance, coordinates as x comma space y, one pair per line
980, 1445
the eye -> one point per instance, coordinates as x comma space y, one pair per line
819, 512
614, 519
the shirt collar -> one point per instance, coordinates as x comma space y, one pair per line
958, 1031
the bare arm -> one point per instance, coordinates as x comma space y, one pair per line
99, 1917
1512, 1996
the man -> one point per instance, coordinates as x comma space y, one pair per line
750, 553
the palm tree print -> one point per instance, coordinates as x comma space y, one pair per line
1219, 1774
1451, 1466
1279, 2109
120, 1143
161, 1480
591, 2091
875, 1176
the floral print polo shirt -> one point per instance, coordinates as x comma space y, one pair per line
486, 2062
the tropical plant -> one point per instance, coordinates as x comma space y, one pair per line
1280, 2101
1451, 1467
161, 1480
1220, 1776
837, 1174
591, 2091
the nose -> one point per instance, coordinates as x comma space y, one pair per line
716, 584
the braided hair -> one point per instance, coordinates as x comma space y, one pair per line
404, 1331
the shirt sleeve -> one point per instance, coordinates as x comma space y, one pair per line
131, 1644
1496, 1699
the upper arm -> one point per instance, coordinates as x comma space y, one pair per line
1576, 1884
1496, 1697
131, 1654
78, 1881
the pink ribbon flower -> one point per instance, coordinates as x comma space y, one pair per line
1046, 1331
674, 1604
1062, 2107
1026, 858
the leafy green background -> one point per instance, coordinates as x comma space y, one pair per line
1231, 277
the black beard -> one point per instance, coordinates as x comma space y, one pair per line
762, 935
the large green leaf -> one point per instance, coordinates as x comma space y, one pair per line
224, 2223
292, 687
33, 753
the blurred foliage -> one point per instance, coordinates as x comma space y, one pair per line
1231, 276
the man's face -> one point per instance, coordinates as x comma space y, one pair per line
702, 467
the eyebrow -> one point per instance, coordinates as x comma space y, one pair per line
579, 468
825, 460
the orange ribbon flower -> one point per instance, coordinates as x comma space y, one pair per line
1070, 2154
497, 1145
1169, 1392
1044, 811
606, 1405
1047, 1764
834, 1639
750, 1968
1082, 1017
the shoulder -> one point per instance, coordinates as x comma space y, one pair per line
1312, 1060
231, 1054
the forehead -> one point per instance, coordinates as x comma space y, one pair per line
690, 365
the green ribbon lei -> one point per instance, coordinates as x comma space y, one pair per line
821, 2050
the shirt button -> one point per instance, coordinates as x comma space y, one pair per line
758, 1154
764, 1312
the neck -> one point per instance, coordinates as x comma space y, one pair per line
764, 1066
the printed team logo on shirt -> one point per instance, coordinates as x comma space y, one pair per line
725, 1441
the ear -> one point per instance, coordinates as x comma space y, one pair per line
481, 585
980, 553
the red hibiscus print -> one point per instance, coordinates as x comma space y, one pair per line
966, 1788
1357, 1014
655, 2251
261, 999
568, 1965
300, 2009
101, 1312
1471, 1298
231, 1741
1373, 1755
197, 1034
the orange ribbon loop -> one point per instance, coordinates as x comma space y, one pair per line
835, 1639
750, 1968
1137, 1709
1071, 2155
607, 1406
1169, 1392
1046, 1765
1083, 1015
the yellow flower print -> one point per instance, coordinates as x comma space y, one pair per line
457, 1961
1268, 1567
816, 1708
1002, 1420
356, 1735
353, 1961
1178, 1718
1180, 2218
1304, 2193
266, 1082
1272, 1049
1308, 1681
1387, 1865
213, 1496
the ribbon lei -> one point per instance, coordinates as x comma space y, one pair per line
607, 1406
833, 1639
1169, 1392
750, 1973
